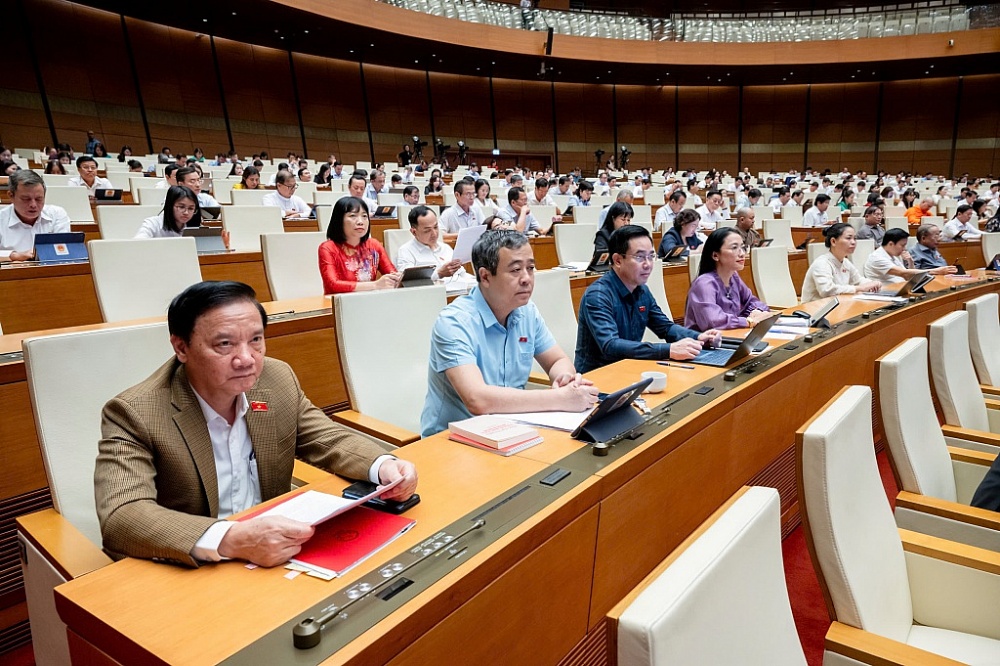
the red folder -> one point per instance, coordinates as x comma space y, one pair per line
350, 538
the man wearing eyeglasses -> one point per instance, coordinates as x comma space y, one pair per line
284, 197
86, 166
616, 310
191, 178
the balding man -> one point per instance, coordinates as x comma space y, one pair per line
922, 209
745, 219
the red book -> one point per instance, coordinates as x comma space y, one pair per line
350, 538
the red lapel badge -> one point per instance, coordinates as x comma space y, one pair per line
642, 308
522, 339
256, 406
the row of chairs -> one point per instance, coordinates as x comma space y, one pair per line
920, 586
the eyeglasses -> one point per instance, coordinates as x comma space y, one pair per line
184, 209
291, 187
642, 258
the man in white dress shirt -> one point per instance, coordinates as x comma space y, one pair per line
463, 213
962, 222
28, 216
891, 263
189, 177
377, 186
816, 216
426, 248
712, 211
86, 166
284, 197
168, 176
540, 195
664, 220
780, 201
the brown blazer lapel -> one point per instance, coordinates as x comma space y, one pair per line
190, 421
261, 425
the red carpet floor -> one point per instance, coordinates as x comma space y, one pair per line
808, 607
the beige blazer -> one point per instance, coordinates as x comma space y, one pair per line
155, 482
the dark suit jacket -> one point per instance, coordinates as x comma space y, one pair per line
155, 482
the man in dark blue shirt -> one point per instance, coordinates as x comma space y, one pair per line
617, 309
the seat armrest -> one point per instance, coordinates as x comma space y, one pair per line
950, 510
952, 585
61, 543
969, 468
303, 474
869, 648
978, 436
376, 428
991, 403
990, 391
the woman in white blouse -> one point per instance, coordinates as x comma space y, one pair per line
483, 201
833, 273
180, 209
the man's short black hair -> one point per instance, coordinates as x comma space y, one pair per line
754, 194
894, 236
622, 236
461, 184
183, 173
410, 189
202, 297
513, 194
677, 195
822, 198
585, 186
541, 183
83, 159
416, 213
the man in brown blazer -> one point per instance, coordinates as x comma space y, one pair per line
213, 432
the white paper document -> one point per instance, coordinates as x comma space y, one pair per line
879, 297
791, 321
466, 239
567, 421
313, 507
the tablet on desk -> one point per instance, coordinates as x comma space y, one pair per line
208, 240
417, 276
59, 248
107, 196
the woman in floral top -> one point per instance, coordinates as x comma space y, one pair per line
351, 258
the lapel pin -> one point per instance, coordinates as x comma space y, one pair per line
256, 406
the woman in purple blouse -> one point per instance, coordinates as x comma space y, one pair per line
718, 297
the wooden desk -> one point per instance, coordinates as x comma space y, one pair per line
971, 250
34, 298
546, 587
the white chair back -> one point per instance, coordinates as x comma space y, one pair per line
70, 377
862, 250
403, 214
850, 525
657, 288
395, 239
897, 223
57, 179
694, 264
984, 336
150, 196
643, 216
991, 245
793, 215
328, 197
772, 276
291, 264
307, 191
676, 617
763, 213
856, 222
222, 190
574, 242
75, 200
392, 389
390, 199
918, 448
122, 222
587, 214
815, 250
138, 278
780, 231
245, 225
554, 300
654, 196
249, 197
954, 376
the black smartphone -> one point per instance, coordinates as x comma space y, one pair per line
359, 489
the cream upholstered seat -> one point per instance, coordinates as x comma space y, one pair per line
403, 214
936, 484
814, 251
587, 214
658, 289
74, 199
780, 231
574, 242
245, 225
292, 265
150, 196
249, 197
674, 616
554, 301
955, 381
763, 212
792, 215
911, 591
122, 222
991, 245
984, 336
385, 366
772, 276
139, 278
395, 239
897, 223
70, 377
862, 250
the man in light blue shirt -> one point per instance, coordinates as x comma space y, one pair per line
483, 344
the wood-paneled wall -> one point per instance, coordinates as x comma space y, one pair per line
213, 93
